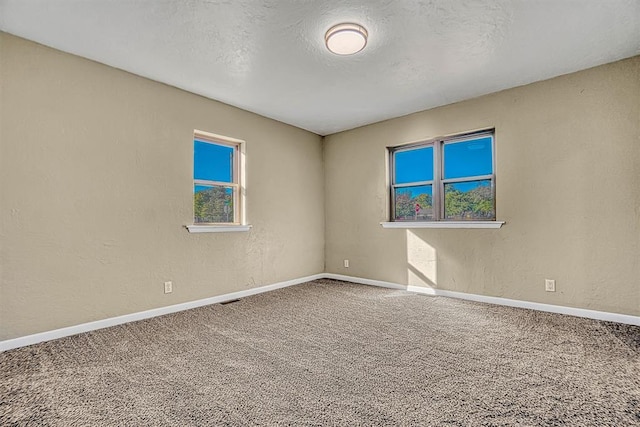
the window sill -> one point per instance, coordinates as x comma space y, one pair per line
443, 224
217, 228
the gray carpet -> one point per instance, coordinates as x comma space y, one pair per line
332, 353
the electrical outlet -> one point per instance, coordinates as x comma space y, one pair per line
168, 287
346, 263
550, 285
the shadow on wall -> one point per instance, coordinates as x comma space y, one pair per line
422, 265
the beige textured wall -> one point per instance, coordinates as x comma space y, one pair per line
96, 186
568, 185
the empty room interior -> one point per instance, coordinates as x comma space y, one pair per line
320, 213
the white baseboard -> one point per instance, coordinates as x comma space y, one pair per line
363, 281
113, 321
571, 311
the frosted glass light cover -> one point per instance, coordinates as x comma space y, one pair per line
346, 39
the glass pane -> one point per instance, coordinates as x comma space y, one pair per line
413, 165
212, 204
468, 158
469, 200
212, 162
414, 203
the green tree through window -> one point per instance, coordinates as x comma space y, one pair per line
213, 205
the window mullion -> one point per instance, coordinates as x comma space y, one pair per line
467, 179
215, 183
412, 184
392, 180
437, 174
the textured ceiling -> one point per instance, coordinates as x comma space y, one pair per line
268, 56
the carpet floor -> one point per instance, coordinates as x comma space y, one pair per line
332, 353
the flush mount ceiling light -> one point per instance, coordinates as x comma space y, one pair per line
346, 39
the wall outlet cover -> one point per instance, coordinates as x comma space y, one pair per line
550, 285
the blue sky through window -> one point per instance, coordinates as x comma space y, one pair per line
461, 159
468, 158
414, 165
212, 162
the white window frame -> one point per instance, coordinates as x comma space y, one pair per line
237, 185
438, 183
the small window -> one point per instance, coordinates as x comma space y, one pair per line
444, 179
216, 179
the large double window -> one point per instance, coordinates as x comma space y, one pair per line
446, 179
216, 179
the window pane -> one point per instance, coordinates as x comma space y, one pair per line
212, 162
212, 204
414, 203
469, 200
413, 165
468, 158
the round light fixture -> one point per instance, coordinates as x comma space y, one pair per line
346, 39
